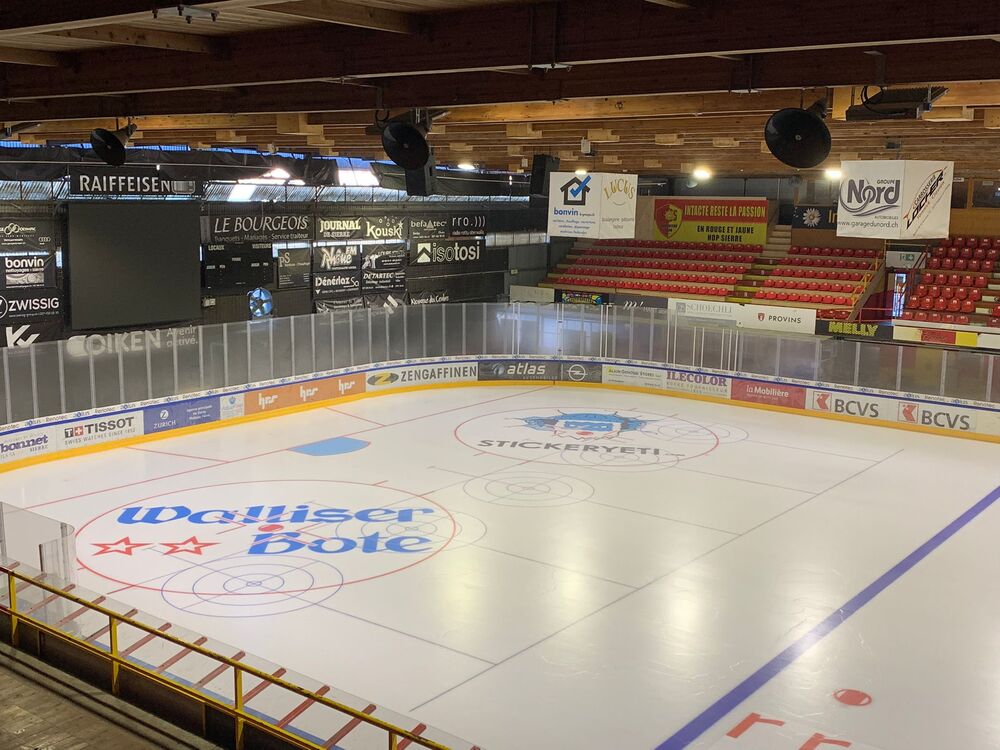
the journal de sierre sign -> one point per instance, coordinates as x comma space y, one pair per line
145, 181
340, 228
261, 228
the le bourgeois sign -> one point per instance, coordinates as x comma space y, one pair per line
261, 228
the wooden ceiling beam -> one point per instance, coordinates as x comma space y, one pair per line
36, 57
139, 37
349, 14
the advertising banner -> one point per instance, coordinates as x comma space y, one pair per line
508, 369
814, 217
391, 300
338, 258
354, 302
21, 235
468, 224
582, 298
340, 228
297, 394
766, 317
447, 251
28, 269
429, 227
231, 406
383, 281
101, 344
870, 331
595, 205
385, 227
851, 404
136, 180
261, 228
700, 383
26, 305
895, 199
27, 334
383, 257
430, 297
183, 414
640, 377
935, 415
102, 429
397, 377
27, 443
580, 372
336, 283
729, 220
773, 394
294, 267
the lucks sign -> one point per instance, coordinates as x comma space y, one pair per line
895, 199
595, 205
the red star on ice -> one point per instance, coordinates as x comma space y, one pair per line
192, 545
121, 547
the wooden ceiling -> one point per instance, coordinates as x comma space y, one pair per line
657, 86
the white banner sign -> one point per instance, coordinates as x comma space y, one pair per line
767, 317
595, 205
895, 200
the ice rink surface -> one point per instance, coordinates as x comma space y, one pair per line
546, 567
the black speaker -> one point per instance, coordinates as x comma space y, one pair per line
542, 165
798, 137
421, 181
109, 145
405, 145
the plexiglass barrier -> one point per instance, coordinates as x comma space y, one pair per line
84, 373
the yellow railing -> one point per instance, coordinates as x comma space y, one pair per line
237, 711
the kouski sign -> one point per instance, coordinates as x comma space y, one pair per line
895, 199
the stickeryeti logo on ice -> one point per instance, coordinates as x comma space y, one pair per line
586, 425
611, 440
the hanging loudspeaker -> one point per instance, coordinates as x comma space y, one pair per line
405, 145
798, 137
420, 181
109, 145
542, 165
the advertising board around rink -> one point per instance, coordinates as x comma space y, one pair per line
422, 374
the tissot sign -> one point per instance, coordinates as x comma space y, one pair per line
895, 199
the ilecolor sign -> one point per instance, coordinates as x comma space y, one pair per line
728, 220
895, 199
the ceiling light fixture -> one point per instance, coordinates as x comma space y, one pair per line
702, 173
466, 166
833, 173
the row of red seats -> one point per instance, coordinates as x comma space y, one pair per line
808, 273
941, 304
834, 314
936, 317
960, 264
827, 263
682, 245
971, 242
813, 286
720, 257
665, 265
633, 273
967, 253
847, 252
941, 279
816, 299
959, 292
646, 286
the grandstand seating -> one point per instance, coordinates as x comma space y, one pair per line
956, 284
833, 280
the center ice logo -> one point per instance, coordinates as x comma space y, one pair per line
586, 425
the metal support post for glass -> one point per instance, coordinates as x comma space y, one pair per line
444, 331
225, 354
201, 357
944, 371
371, 358
249, 377
899, 367
333, 350
121, 377
857, 361
12, 603
270, 343
816, 361
631, 333
3, 537
93, 379
238, 705
312, 339
291, 339
34, 382
988, 396
115, 667
652, 325
350, 334
465, 347
62, 380
406, 334
177, 380
483, 347
777, 356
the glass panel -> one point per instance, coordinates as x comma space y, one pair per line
107, 384
475, 328
17, 361
235, 342
415, 343
758, 353
454, 330
798, 358
187, 343
76, 377
281, 347
434, 323
837, 358
47, 377
877, 365
397, 337
213, 356
261, 361
379, 317
323, 325
965, 374
921, 369
684, 346
537, 330
343, 338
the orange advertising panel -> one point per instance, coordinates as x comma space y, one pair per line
728, 220
296, 394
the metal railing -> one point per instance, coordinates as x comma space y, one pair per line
84, 373
126, 646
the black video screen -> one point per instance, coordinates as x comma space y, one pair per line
133, 263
